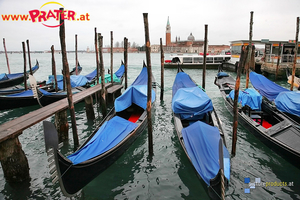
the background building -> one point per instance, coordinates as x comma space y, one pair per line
191, 45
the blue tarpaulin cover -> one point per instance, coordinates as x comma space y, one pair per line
288, 102
59, 78
109, 135
91, 75
142, 78
76, 81
5, 76
189, 100
265, 87
202, 144
249, 97
120, 71
26, 93
51, 78
29, 93
182, 80
136, 93
222, 74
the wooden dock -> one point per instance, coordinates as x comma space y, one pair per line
13, 159
15, 127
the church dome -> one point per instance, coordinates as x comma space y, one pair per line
191, 37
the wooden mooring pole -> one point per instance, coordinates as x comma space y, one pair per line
25, 74
204, 57
162, 60
97, 56
29, 59
61, 118
76, 56
111, 57
278, 61
249, 50
67, 75
149, 89
295, 55
54, 68
13, 161
6, 55
62, 125
102, 71
125, 60
235, 102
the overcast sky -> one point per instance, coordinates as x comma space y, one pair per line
227, 20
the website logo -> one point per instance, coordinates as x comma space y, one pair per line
47, 16
258, 183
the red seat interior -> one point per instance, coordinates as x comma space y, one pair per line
134, 117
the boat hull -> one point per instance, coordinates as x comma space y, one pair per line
282, 137
16, 102
215, 183
18, 80
75, 177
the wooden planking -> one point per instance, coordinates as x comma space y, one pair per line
15, 127
114, 88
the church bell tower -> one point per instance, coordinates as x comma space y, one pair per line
168, 33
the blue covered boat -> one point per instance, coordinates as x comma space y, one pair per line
271, 126
8, 80
285, 100
124, 123
200, 133
73, 71
26, 98
118, 76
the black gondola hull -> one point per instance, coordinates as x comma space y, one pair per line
215, 183
74, 178
17, 80
283, 138
16, 102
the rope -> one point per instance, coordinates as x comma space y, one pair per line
222, 185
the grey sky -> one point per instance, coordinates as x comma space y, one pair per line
227, 21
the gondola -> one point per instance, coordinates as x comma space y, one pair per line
73, 71
124, 123
282, 99
8, 80
118, 76
27, 98
296, 79
200, 133
45, 96
12, 90
264, 121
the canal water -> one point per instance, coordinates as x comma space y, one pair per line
168, 174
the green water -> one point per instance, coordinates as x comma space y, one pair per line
168, 174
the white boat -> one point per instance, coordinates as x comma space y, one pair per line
196, 61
